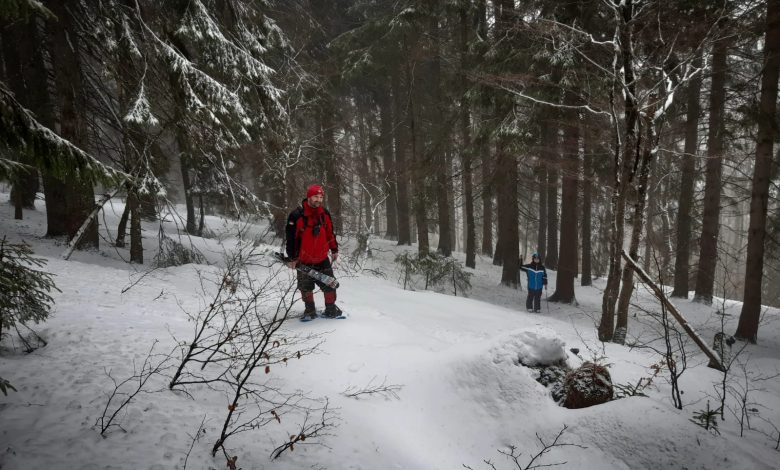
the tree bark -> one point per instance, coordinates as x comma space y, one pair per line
751, 307
625, 157
553, 177
136, 244
586, 278
78, 193
486, 195
541, 243
121, 230
708, 242
466, 149
637, 223
19, 57
401, 163
570, 152
687, 180
483, 144
331, 164
382, 97
417, 171
437, 144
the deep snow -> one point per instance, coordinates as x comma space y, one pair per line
460, 394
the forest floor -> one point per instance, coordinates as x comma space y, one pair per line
448, 386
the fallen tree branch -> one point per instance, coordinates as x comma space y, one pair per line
715, 360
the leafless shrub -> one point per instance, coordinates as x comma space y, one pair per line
125, 392
383, 389
514, 455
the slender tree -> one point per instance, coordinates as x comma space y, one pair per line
751, 308
708, 241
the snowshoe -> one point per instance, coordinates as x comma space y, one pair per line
333, 312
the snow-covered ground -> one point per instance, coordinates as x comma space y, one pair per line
457, 393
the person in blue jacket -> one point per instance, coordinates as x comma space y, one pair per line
537, 280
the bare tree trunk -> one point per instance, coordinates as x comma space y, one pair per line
487, 196
506, 168
78, 193
18, 41
466, 148
386, 147
432, 132
121, 230
184, 162
553, 177
627, 287
418, 176
331, 164
136, 244
687, 180
754, 271
651, 236
625, 158
588, 180
401, 163
570, 151
541, 242
483, 146
708, 242
508, 250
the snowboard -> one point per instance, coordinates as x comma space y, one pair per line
311, 272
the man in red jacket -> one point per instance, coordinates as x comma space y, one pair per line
309, 238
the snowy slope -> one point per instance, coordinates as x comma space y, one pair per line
461, 394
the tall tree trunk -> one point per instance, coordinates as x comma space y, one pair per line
708, 242
551, 157
541, 241
570, 152
587, 208
121, 230
18, 42
651, 236
363, 157
483, 143
78, 193
401, 163
418, 173
465, 133
136, 245
486, 195
331, 164
637, 224
625, 158
438, 135
549, 152
184, 163
508, 247
506, 167
687, 181
382, 97
754, 271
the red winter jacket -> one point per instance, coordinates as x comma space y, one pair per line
310, 234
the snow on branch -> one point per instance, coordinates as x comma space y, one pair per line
140, 112
197, 24
47, 150
580, 32
523, 95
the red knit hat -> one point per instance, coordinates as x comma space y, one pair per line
314, 190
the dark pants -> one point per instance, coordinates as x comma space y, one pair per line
306, 284
534, 299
